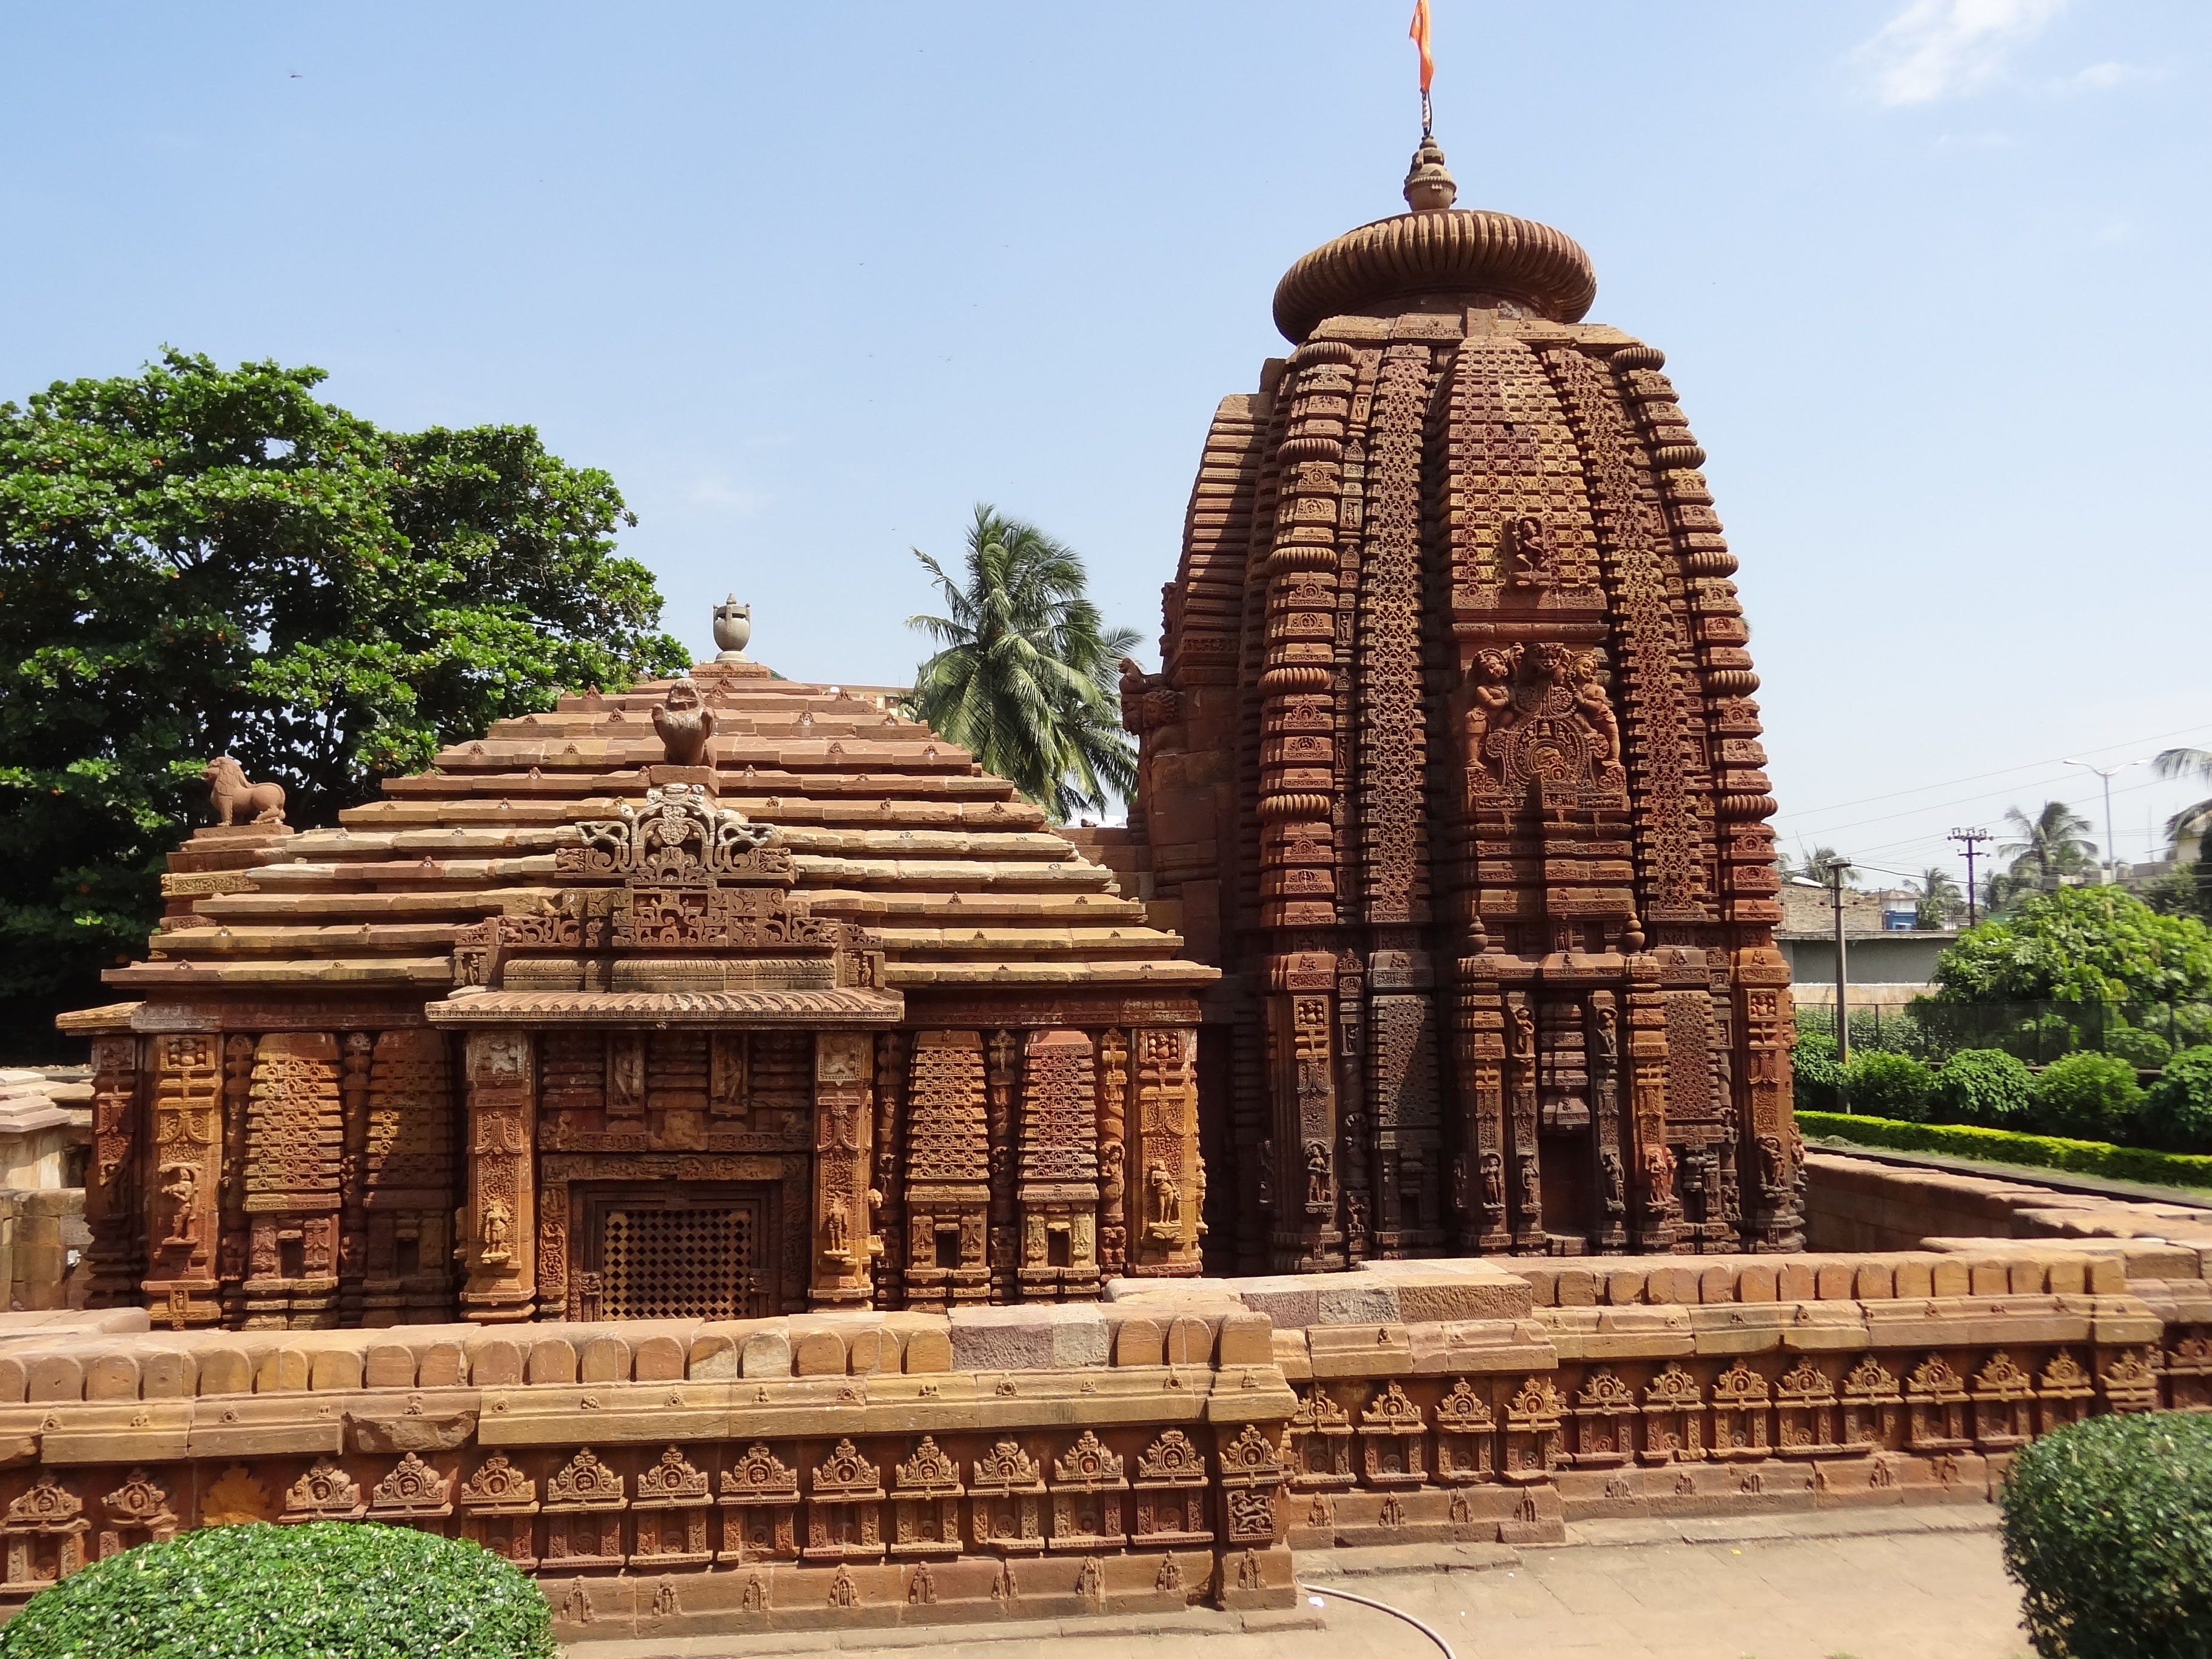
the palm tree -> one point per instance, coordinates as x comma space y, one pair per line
2194, 821
1025, 676
1816, 863
1939, 898
2053, 842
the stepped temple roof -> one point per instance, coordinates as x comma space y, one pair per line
945, 870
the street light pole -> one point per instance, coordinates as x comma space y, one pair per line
2108, 773
1971, 839
1836, 868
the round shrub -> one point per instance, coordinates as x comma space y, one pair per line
1986, 1086
2178, 1114
2088, 1096
1884, 1085
2144, 1050
1818, 1077
331, 1589
2108, 1529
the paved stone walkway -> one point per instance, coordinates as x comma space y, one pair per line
1902, 1585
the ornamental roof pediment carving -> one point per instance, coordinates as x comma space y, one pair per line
677, 836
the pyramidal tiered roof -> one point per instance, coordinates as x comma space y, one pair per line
961, 882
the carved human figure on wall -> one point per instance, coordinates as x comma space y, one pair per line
1607, 1036
1163, 1204
1595, 706
1316, 1175
1525, 543
229, 790
1490, 680
1459, 1193
1112, 1182
835, 1231
1355, 1224
496, 1233
1522, 1035
685, 724
1773, 1166
1532, 1189
182, 1189
1659, 1179
1198, 1197
1493, 1184
1616, 1199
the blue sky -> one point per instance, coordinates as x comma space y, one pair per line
810, 280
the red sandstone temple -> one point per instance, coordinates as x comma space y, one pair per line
1442, 920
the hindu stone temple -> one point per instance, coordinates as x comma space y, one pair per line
728, 997
1453, 768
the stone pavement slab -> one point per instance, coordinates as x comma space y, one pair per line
1895, 1585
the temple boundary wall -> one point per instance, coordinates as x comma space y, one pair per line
1171, 1444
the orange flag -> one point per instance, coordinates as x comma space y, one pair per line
1419, 36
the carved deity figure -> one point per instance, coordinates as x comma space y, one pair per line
496, 1233
685, 724
1532, 1189
1316, 1175
1133, 696
836, 1233
182, 1189
1525, 544
1490, 694
1355, 1224
1773, 1166
1607, 1036
1616, 1198
1163, 1204
229, 790
1595, 706
1522, 1038
1493, 1184
1659, 1179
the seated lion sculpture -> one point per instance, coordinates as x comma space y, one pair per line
228, 789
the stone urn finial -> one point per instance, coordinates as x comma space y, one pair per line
733, 627
1429, 187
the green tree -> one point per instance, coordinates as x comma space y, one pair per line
1939, 898
2079, 944
2044, 848
1025, 679
198, 562
1815, 863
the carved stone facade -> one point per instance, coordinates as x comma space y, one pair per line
679, 1060
1453, 768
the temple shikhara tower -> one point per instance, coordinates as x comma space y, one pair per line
1453, 766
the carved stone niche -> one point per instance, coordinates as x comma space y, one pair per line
583, 1509
2064, 1391
499, 1511
1393, 1440
1321, 1443
1873, 1408
845, 1508
44, 1532
671, 1510
2004, 1405
1808, 1421
925, 1503
1251, 1489
1170, 1494
1005, 1499
136, 1512
1935, 1408
759, 1501
1740, 1397
1605, 1415
1087, 1487
1674, 1418
1534, 1416
1467, 1436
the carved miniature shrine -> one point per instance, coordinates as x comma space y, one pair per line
1453, 766
725, 997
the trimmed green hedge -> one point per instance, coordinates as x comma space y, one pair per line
331, 1589
2095, 1157
2108, 1530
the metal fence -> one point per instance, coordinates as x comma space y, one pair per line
2144, 1034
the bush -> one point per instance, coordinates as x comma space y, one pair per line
2089, 1095
331, 1589
1819, 1078
2108, 1529
2095, 1157
1986, 1086
2144, 1050
1889, 1085
2178, 1112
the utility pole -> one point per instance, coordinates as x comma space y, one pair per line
1971, 839
1836, 868
2108, 773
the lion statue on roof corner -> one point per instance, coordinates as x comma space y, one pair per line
228, 789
